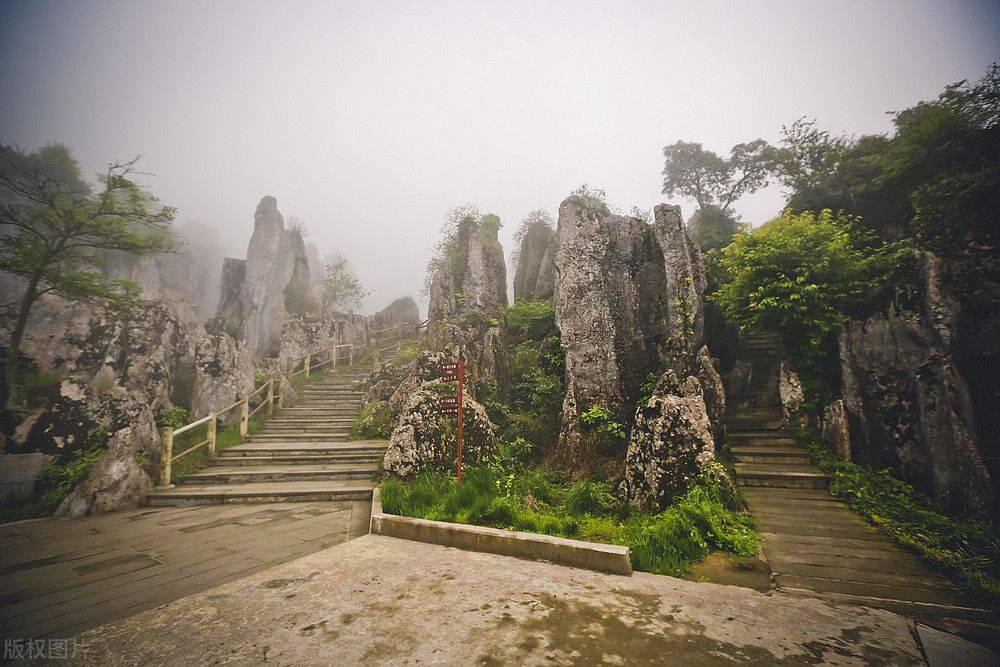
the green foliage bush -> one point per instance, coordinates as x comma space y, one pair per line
969, 550
541, 501
531, 319
174, 417
804, 275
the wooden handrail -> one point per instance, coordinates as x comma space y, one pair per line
168, 433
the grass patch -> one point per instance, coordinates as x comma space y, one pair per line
538, 500
968, 550
374, 422
225, 438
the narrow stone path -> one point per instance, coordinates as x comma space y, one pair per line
814, 543
62, 576
300, 455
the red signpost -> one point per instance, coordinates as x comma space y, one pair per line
454, 372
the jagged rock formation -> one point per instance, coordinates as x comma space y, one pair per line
791, 396
835, 429
628, 303
223, 370
421, 442
671, 443
402, 315
273, 282
534, 279
907, 407
472, 279
189, 276
713, 391
121, 371
308, 333
467, 296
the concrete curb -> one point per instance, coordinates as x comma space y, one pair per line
608, 558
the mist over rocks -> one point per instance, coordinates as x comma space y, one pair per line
274, 281
534, 278
401, 315
628, 300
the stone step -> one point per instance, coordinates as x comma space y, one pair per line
748, 454
311, 422
780, 475
222, 474
304, 448
303, 437
762, 437
262, 492
753, 424
305, 459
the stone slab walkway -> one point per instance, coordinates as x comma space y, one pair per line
381, 600
815, 544
59, 577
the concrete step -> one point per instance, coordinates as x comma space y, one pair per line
262, 492
749, 454
225, 474
780, 475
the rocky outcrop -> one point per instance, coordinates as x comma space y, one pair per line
791, 396
628, 303
671, 443
223, 371
400, 316
534, 278
425, 439
273, 282
907, 407
121, 477
471, 278
835, 430
313, 333
713, 391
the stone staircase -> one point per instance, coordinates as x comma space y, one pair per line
301, 454
814, 544
766, 455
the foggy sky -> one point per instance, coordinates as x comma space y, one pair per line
370, 120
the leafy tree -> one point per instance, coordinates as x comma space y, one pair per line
804, 275
58, 234
713, 229
341, 287
713, 181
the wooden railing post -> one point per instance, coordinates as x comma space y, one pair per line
245, 416
270, 396
211, 436
350, 354
399, 346
306, 362
334, 356
281, 391
168, 452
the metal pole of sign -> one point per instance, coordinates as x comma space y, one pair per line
461, 382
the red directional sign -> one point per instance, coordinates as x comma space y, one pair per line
451, 372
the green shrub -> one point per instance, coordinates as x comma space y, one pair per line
588, 497
174, 417
531, 319
536, 500
373, 423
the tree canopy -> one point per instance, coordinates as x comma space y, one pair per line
59, 233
